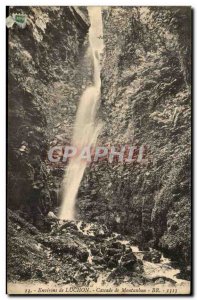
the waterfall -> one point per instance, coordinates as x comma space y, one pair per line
86, 128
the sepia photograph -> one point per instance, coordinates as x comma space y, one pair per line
99, 150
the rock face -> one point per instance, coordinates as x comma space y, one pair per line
146, 95
45, 65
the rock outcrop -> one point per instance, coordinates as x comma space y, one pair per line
44, 76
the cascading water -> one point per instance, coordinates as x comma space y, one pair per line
86, 127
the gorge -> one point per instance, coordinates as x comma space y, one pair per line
132, 222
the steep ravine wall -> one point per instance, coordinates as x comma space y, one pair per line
146, 80
145, 100
44, 83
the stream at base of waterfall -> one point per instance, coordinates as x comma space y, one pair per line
91, 258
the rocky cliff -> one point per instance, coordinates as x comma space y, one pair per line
44, 83
146, 90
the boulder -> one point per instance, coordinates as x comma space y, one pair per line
152, 256
63, 246
98, 260
112, 263
112, 251
128, 261
69, 225
95, 251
